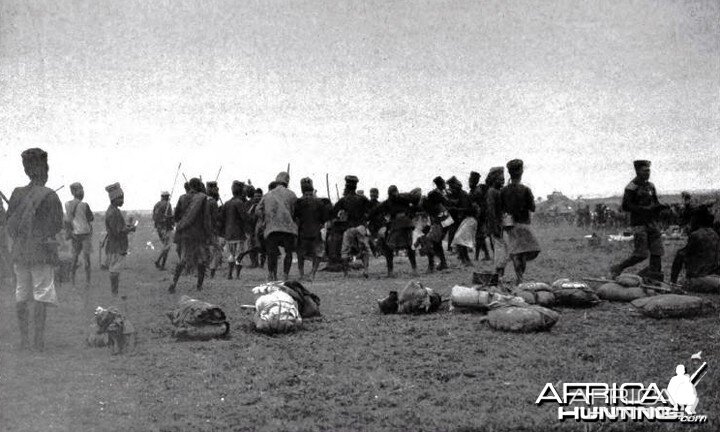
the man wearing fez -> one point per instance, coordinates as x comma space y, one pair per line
78, 222
641, 201
311, 213
34, 218
356, 238
163, 219
276, 214
232, 227
193, 232
116, 246
517, 202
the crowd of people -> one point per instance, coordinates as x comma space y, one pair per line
491, 217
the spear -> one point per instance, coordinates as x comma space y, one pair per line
59, 188
2, 195
327, 184
288, 168
175, 181
337, 192
218, 174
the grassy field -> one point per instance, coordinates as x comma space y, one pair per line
354, 369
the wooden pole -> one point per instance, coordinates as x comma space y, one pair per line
327, 185
337, 192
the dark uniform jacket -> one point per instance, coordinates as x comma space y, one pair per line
117, 232
34, 217
641, 201
311, 215
356, 208
517, 200
702, 253
233, 219
163, 215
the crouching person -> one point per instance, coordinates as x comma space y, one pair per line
35, 216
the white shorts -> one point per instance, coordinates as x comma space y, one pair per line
37, 281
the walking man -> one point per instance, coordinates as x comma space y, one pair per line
233, 229
276, 213
34, 218
641, 201
311, 213
78, 222
163, 219
493, 221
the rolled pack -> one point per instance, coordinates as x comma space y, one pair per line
673, 306
709, 284
618, 293
629, 280
574, 294
530, 318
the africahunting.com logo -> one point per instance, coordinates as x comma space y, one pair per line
599, 402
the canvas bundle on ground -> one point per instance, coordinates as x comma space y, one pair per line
707, 284
308, 303
196, 319
538, 293
415, 298
673, 306
522, 318
474, 298
276, 311
615, 292
574, 294
110, 328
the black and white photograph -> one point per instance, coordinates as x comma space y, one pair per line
359, 215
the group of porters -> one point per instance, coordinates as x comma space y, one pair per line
357, 227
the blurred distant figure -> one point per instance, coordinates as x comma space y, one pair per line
5, 269
276, 214
518, 202
164, 223
462, 232
477, 194
255, 243
641, 201
34, 218
78, 220
701, 255
182, 202
398, 209
436, 205
193, 232
116, 247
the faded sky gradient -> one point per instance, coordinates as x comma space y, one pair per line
392, 91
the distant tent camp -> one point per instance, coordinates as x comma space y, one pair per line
556, 208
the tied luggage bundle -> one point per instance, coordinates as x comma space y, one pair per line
414, 298
196, 319
110, 328
709, 284
538, 293
673, 306
612, 291
574, 294
518, 316
475, 298
281, 306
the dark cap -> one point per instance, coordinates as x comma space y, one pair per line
640, 163
514, 165
351, 179
306, 184
439, 181
474, 176
195, 184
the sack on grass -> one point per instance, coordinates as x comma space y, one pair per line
415, 298
619, 293
276, 312
194, 318
528, 318
474, 298
538, 297
673, 306
706, 284
574, 294
629, 280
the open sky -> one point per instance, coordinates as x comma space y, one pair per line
395, 92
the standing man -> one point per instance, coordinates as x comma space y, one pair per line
356, 238
193, 232
255, 245
399, 210
232, 227
276, 213
78, 222
436, 205
5, 270
116, 246
463, 237
517, 202
376, 221
641, 201
216, 246
311, 214
493, 222
34, 218
163, 219
477, 199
